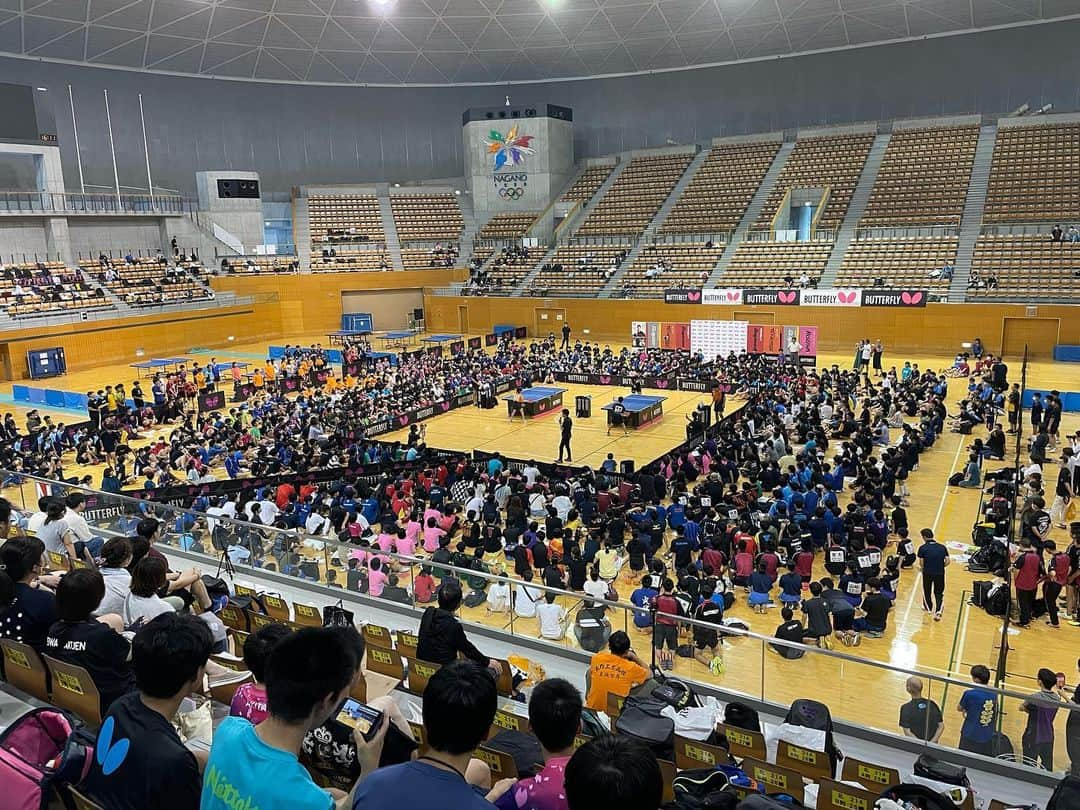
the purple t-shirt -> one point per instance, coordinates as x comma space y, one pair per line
1041, 712
541, 792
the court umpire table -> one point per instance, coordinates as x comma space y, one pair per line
538, 400
640, 409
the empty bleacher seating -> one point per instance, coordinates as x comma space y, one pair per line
508, 225
688, 265
345, 218
924, 176
47, 288
636, 195
829, 161
426, 216
1026, 266
767, 264
1034, 175
422, 258
899, 262
586, 184
578, 269
721, 189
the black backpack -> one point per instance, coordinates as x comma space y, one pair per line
524, 748
919, 796
930, 767
702, 789
739, 715
814, 714
641, 719
1066, 795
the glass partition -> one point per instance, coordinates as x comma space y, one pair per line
858, 690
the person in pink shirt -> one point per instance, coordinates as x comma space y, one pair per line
359, 555
385, 542
249, 701
412, 530
432, 533
376, 577
403, 544
555, 719
744, 565
431, 513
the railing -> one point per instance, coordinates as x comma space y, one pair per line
769, 235
907, 231
621, 240
31, 202
752, 664
679, 238
1022, 228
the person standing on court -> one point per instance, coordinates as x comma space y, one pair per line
565, 335
618, 416
933, 559
566, 426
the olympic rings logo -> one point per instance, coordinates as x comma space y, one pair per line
511, 192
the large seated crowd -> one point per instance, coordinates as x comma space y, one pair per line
751, 511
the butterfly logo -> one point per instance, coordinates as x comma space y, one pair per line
510, 148
734, 296
403, 420
109, 755
786, 297
661, 383
846, 297
693, 297
911, 299
445, 406
604, 379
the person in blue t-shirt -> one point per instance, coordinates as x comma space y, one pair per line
980, 708
459, 706
308, 675
641, 598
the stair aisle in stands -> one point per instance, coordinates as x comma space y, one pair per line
654, 225
753, 211
855, 209
393, 244
971, 222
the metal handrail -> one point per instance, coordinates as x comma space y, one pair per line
55, 202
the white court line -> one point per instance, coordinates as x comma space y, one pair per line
917, 591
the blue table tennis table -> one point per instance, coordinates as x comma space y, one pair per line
640, 410
539, 400
340, 336
438, 339
163, 363
397, 339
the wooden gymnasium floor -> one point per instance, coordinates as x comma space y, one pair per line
855, 690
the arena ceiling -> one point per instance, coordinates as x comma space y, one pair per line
424, 42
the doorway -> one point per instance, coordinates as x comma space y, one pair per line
549, 321
463, 318
1040, 335
754, 316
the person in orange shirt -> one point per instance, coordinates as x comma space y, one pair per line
200, 379
270, 373
257, 379
617, 671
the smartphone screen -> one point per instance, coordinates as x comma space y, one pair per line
355, 714
1061, 680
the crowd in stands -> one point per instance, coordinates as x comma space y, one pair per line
511, 263
45, 287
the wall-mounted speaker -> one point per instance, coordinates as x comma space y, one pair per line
242, 189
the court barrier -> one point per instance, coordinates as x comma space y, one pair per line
1070, 400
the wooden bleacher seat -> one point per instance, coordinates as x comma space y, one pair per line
778, 778
406, 643
426, 216
24, 669
508, 721
376, 636
307, 615
276, 608
866, 773
223, 693
1033, 174
903, 262
507, 225
73, 689
696, 754
765, 264
743, 742
501, 764
667, 774
811, 764
636, 195
419, 673
385, 661
80, 800
577, 268
833, 795
233, 618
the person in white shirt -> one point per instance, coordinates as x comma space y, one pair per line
537, 504
502, 494
531, 473
224, 509
563, 505
268, 511
595, 587
551, 617
116, 557
498, 597
475, 505
318, 523
526, 598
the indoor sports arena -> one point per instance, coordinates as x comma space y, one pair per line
547, 404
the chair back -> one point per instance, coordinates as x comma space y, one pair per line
73, 689
24, 669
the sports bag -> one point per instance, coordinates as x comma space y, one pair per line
702, 789
641, 719
930, 767
919, 796
741, 716
40, 750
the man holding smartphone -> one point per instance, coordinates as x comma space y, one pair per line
308, 676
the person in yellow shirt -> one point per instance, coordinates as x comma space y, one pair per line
257, 379
331, 384
617, 671
270, 373
200, 379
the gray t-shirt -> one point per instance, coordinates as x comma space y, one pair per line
117, 588
52, 535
